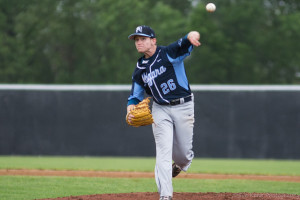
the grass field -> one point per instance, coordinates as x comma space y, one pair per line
28, 187
217, 166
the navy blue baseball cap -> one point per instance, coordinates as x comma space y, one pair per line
143, 30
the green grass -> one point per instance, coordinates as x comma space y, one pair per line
28, 187
246, 166
20, 187
77, 163
216, 166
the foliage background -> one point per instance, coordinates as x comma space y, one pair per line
85, 41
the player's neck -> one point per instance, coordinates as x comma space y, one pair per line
150, 52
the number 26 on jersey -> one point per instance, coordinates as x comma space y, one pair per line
168, 86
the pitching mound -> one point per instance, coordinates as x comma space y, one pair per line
185, 196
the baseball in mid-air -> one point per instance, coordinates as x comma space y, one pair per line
210, 7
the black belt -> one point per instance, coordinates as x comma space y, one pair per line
181, 100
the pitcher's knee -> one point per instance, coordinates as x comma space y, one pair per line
184, 160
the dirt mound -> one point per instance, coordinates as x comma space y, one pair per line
185, 196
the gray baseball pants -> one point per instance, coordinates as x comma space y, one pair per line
173, 134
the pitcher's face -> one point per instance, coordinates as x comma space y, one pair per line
144, 44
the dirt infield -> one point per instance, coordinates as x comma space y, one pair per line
186, 196
154, 196
11, 172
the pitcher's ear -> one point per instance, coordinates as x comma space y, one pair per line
154, 40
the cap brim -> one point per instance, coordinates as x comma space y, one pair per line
131, 37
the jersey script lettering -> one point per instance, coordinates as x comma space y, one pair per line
148, 78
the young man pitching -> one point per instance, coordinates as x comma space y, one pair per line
160, 72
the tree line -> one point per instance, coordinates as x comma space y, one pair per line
85, 41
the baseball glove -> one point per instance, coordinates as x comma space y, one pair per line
142, 114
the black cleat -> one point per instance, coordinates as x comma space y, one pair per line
175, 170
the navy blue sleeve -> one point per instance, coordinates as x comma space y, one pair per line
179, 49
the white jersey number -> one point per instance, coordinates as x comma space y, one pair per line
169, 86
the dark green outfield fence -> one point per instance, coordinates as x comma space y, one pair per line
231, 121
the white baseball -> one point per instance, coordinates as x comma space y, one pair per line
210, 7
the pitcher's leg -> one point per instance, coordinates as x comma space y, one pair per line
163, 135
183, 135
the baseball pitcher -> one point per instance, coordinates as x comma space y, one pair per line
160, 73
